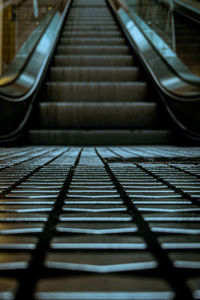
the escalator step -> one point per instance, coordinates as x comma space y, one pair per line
93, 41
88, 32
94, 60
88, 17
95, 92
86, 50
98, 115
99, 137
94, 74
92, 22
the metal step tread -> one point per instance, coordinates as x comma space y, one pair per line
93, 41
97, 115
99, 137
96, 91
94, 74
90, 49
93, 60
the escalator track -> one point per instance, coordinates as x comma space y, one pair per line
95, 92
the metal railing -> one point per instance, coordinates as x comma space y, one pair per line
171, 24
177, 86
20, 24
17, 96
160, 18
174, 25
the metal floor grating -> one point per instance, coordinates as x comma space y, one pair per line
100, 223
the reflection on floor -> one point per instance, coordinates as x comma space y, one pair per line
100, 223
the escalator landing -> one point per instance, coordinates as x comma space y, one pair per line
100, 222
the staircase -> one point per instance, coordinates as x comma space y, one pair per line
95, 92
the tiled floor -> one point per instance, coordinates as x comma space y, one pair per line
100, 223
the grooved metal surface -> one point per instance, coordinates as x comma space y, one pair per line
100, 223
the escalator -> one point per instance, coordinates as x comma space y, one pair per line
96, 200
97, 83
95, 92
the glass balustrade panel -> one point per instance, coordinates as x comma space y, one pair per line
179, 33
20, 26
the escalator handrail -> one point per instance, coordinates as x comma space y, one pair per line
187, 87
9, 90
168, 82
164, 50
16, 66
24, 88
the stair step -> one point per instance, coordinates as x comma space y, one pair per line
92, 27
93, 41
90, 16
87, 17
94, 60
96, 34
98, 115
92, 50
99, 137
83, 4
91, 22
94, 92
90, 13
94, 74
90, 3
88, 10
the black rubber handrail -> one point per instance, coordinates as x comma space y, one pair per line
17, 97
18, 63
16, 66
180, 96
